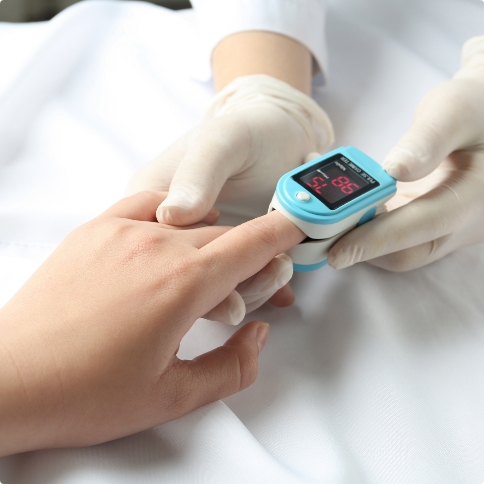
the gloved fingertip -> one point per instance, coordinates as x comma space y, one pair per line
236, 313
392, 169
262, 335
410, 161
178, 209
311, 156
168, 215
340, 259
285, 270
395, 162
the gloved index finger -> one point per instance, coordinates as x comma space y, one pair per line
246, 249
433, 215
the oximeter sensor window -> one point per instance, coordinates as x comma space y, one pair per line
335, 181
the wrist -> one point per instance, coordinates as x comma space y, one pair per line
27, 389
262, 90
259, 52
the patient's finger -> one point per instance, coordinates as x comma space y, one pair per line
283, 298
141, 206
212, 217
216, 374
246, 249
199, 237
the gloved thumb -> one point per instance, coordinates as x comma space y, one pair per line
217, 152
429, 140
444, 122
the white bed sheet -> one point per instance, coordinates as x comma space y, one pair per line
371, 377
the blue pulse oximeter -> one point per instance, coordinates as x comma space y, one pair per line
328, 197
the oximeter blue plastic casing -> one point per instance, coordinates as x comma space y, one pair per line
322, 224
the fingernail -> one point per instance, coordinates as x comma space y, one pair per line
262, 335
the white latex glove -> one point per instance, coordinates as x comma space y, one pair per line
255, 291
440, 205
256, 129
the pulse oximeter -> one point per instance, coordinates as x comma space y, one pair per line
328, 197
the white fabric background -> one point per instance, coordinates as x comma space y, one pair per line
371, 377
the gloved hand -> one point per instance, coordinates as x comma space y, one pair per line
256, 129
439, 205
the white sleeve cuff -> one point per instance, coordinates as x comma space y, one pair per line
302, 20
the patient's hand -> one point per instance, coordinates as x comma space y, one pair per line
440, 205
88, 345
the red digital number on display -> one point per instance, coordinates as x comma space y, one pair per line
344, 184
318, 183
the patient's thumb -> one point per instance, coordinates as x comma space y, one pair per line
228, 369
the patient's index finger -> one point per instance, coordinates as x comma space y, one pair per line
246, 249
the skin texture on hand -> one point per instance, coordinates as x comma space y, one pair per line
439, 205
88, 345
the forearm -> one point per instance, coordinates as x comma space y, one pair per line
13, 402
276, 55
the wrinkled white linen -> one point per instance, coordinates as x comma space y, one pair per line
371, 377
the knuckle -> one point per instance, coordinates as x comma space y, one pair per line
99, 230
124, 239
190, 275
176, 389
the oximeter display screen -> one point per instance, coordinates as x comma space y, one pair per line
336, 181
